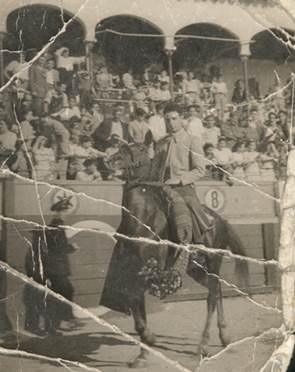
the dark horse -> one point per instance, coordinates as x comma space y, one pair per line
145, 216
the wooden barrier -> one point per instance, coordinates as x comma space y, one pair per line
97, 206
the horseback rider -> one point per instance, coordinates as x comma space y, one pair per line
179, 163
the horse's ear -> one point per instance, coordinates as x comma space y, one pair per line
148, 139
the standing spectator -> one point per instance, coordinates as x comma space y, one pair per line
58, 271
239, 93
138, 128
192, 88
38, 85
211, 131
52, 75
219, 89
44, 159
157, 124
194, 125
65, 65
59, 138
56, 99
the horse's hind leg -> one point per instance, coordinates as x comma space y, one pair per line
211, 305
223, 334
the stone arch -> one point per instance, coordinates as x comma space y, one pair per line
127, 50
30, 27
203, 50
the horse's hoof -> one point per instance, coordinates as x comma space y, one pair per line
148, 337
224, 338
138, 362
203, 352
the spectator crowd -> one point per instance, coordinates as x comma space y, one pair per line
58, 121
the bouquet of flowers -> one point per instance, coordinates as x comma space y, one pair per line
158, 282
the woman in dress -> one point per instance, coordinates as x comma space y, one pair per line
44, 159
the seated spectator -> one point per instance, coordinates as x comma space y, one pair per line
56, 99
18, 69
103, 79
211, 131
194, 125
84, 150
24, 129
231, 129
127, 80
19, 162
211, 170
7, 138
165, 94
269, 161
157, 123
138, 128
44, 160
164, 77
97, 115
224, 157
140, 97
155, 91
67, 113
90, 172
239, 93
252, 157
238, 160
75, 131
272, 132
219, 90
52, 75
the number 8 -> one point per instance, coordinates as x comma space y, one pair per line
214, 199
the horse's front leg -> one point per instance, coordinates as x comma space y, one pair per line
223, 333
146, 336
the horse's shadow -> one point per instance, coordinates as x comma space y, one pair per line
76, 348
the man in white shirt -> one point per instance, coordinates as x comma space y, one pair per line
157, 123
194, 125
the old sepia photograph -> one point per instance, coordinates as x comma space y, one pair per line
147, 185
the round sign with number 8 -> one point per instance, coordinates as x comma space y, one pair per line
215, 199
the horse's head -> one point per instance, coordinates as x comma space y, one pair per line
132, 160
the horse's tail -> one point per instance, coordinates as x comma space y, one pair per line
241, 265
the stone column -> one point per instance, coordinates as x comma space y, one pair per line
89, 44
245, 54
169, 50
